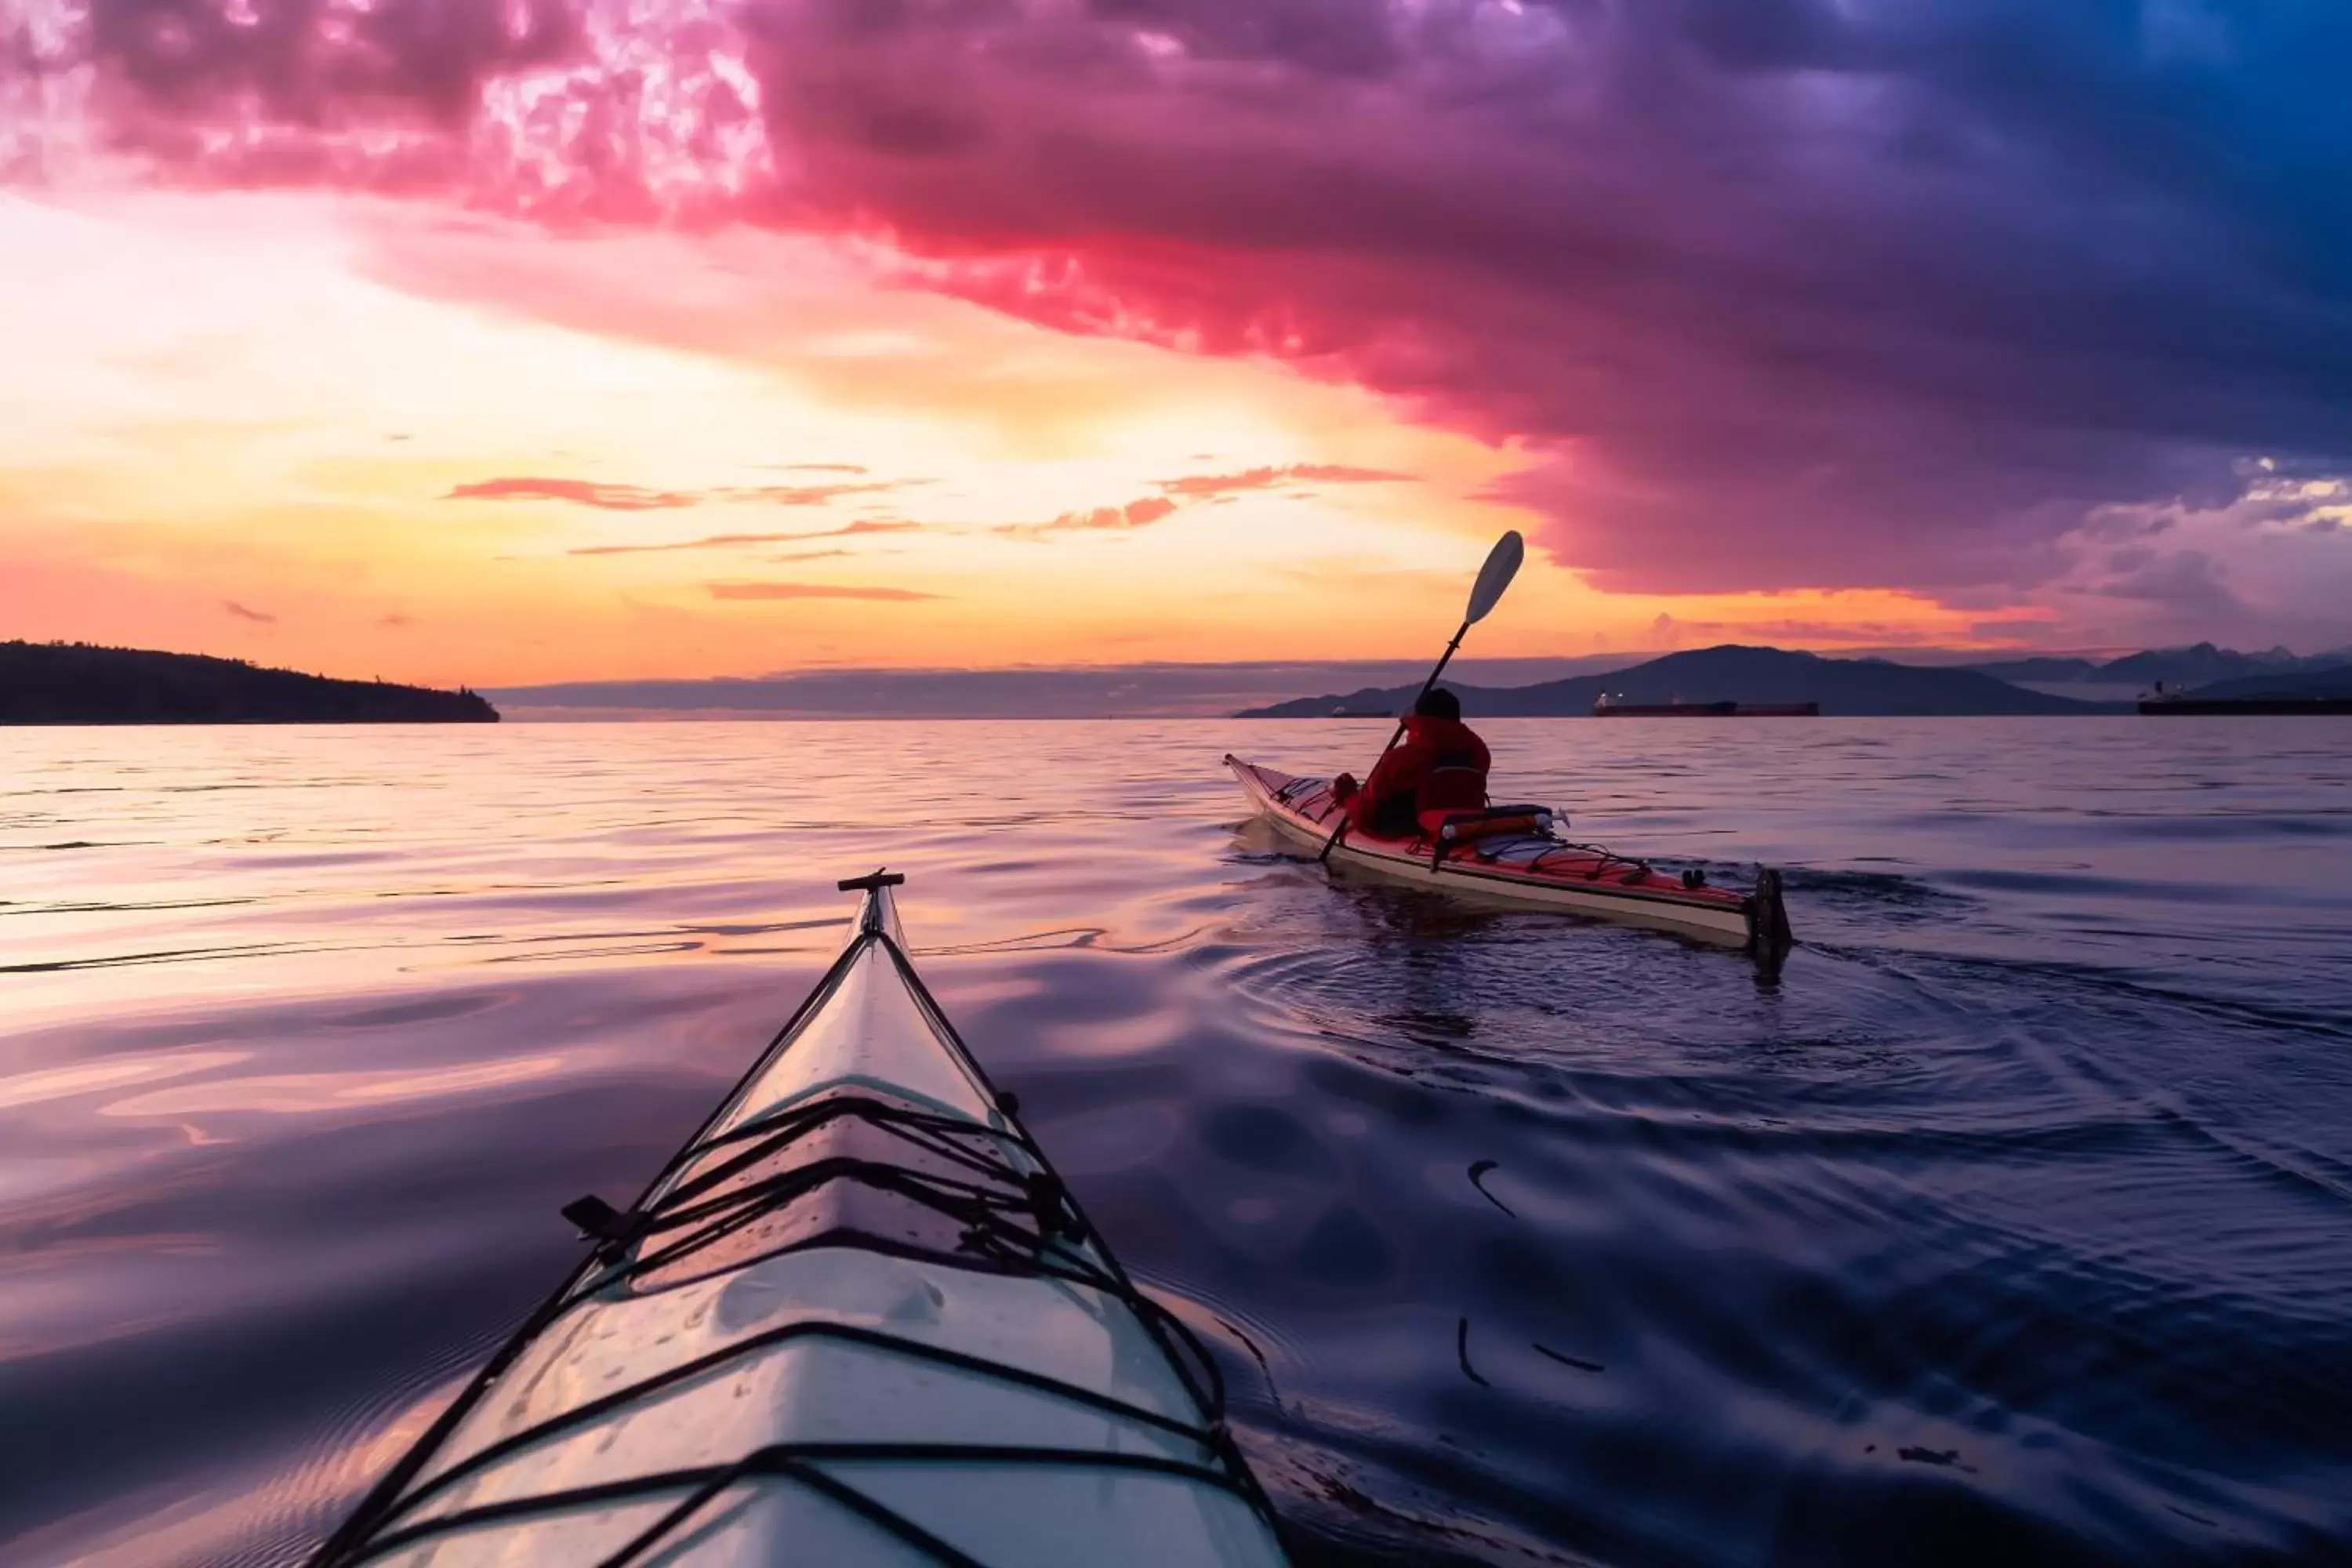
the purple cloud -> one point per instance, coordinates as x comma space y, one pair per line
2187, 582
1776, 295
262, 617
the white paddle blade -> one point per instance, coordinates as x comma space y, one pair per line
1502, 565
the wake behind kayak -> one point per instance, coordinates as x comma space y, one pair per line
856, 1321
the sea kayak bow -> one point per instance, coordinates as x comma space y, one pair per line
1514, 859
856, 1321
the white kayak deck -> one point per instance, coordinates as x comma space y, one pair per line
784, 1354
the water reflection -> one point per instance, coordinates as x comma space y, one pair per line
2014, 1220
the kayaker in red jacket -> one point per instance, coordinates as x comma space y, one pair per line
1438, 765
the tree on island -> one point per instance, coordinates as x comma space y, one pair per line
85, 683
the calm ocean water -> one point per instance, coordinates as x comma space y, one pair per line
2012, 1222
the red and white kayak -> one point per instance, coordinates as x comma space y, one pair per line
1513, 857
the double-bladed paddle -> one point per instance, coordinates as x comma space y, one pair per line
1502, 565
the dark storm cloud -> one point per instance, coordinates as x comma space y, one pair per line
1778, 293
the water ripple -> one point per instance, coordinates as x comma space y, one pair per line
2009, 1220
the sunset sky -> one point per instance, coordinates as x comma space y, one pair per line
516, 341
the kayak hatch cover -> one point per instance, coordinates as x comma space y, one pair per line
857, 1320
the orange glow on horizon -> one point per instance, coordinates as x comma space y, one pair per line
369, 439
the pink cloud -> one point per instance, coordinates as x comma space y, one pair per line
1140, 514
638, 498
730, 541
1772, 295
1193, 485
1211, 488
806, 495
580, 493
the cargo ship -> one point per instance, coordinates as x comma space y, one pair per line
2174, 703
1608, 707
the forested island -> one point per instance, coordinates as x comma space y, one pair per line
80, 683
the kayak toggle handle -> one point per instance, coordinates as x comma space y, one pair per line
1051, 1203
873, 881
601, 1223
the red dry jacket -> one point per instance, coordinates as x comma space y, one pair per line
1439, 766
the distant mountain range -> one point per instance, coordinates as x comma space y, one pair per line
2186, 666
78, 683
59, 683
1731, 673
2334, 682
1103, 691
